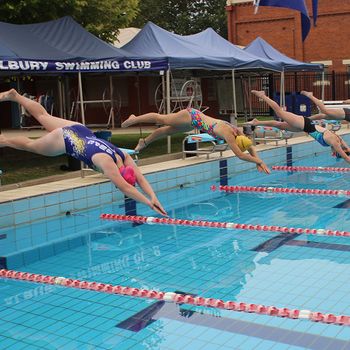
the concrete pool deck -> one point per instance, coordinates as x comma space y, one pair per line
74, 180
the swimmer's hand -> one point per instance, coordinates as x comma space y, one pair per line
263, 168
156, 206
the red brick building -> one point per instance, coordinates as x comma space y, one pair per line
326, 43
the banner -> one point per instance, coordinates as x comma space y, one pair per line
31, 66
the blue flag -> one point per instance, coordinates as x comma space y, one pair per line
298, 5
314, 10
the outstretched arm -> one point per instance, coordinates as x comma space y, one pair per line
344, 145
338, 148
110, 169
145, 185
262, 167
252, 156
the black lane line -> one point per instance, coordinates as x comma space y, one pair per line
198, 317
320, 245
343, 205
275, 242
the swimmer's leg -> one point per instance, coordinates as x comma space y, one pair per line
50, 145
331, 113
158, 134
178, 119
273, 123
295, 121
36, 110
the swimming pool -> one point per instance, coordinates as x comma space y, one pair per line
284, 270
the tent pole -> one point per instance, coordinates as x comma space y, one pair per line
234, 95
250, 96
322, 88
111, 113
163, 103
168, 104
284, 89
81, 98
60, 97
282, 100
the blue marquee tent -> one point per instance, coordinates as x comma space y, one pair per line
63, 45
263, 49
205, 50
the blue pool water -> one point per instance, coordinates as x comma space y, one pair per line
284, 270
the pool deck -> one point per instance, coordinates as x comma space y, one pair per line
78, 181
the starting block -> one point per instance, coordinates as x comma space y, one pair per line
213, 145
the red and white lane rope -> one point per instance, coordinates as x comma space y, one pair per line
310, 168
226, 225
305, 191
179, 298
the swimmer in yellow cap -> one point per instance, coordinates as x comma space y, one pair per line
186, 120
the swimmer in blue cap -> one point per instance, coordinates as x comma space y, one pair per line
189, 119
76, 140
297, 123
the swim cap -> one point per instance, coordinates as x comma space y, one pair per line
128, 174
243, 142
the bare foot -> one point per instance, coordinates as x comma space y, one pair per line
253, 122
3, 141
141, 145
8, 95
258, 93
130, 121
306, 93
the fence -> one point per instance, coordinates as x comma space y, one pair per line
336, 87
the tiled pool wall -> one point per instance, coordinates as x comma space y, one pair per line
36, 227
31, 209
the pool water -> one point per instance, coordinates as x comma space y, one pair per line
284, 270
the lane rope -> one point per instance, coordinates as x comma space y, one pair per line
308, 191
225, 225
310, 168
328, 318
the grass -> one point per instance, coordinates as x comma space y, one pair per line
157, 148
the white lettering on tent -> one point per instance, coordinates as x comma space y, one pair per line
115, 65
44, 65
108, 65
34, 65
137, 64
59, 65
95, 65
13, 65
65, 65
3, 66
23, 65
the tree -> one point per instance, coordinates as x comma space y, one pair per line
100, 17
183, 16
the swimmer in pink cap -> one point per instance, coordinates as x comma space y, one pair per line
76, 140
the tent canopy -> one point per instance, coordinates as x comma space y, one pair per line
204, 50
59, 45
261, 48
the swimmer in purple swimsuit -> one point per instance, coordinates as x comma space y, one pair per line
72, 138
189, 119
297, 123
